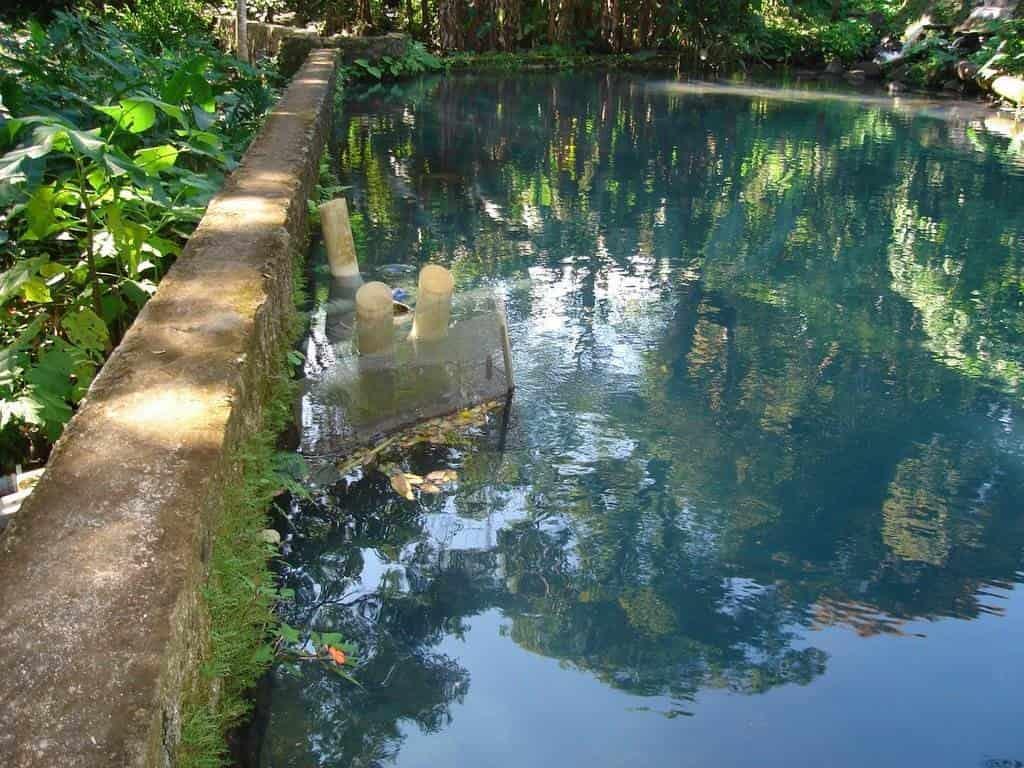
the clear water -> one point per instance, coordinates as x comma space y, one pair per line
759, 499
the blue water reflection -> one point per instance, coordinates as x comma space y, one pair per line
759, 497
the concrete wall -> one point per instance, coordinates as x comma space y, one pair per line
293, 45
101, 623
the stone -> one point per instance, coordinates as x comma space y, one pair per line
868, 69
834, 67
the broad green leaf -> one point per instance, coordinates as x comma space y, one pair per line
85, 329
12, 165
202, 117
12, 281
40, 211
155, 159
134, 115
52, 374
13, 358
51, 411
35, 290
288, 634
41, 409
138, 291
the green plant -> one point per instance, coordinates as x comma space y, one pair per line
417, 60
162, 24
111, 153
241, 592
1003, 47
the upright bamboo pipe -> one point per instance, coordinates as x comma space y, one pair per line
375, 325
337, 229
433, 304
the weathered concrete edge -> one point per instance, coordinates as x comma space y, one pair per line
291, 45
101, 623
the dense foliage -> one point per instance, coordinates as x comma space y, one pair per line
771, 30
115, 131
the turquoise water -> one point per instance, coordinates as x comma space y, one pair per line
758, 500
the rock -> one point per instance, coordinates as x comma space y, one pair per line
898, 73
834, 67
953, 85
868, 69
897, 87
966, 70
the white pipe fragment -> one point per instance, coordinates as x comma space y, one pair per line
506, 344
375, 325
433, 304
341, 248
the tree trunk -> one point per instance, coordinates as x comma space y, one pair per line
448, 24
565, 21
644, 25
611, 14
425, 20
510, 24
364, 16
242, 34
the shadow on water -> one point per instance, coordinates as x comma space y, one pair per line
769, 363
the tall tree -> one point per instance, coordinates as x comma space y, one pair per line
364, 16
449, 21
510, 12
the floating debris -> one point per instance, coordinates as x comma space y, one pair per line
387, 456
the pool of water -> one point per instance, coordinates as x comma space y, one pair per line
758, 498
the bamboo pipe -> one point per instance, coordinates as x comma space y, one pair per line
433, 304
337, 229
375, 325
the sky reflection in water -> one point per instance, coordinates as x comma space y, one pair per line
758, 500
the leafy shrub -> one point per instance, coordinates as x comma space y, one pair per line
416, 61
1004, 44
111, 153
162, 23
846, 40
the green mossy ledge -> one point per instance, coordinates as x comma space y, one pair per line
103, 625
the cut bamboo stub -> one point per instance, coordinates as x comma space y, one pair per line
433, 304
341, 248
375, 329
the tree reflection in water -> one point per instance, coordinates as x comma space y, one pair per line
769, 363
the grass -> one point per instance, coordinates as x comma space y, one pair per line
241, 593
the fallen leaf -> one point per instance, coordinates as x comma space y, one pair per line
401, 486
413, 479
437, 476
429, 487
337, 656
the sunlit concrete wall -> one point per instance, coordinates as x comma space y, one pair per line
101, 624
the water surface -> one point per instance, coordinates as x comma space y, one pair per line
758, 499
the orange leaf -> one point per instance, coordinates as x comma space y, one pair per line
338, 657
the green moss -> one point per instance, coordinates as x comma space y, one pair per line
241, 593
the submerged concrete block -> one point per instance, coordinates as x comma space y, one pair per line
101, 623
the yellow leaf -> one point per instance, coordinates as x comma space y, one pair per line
401, 486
